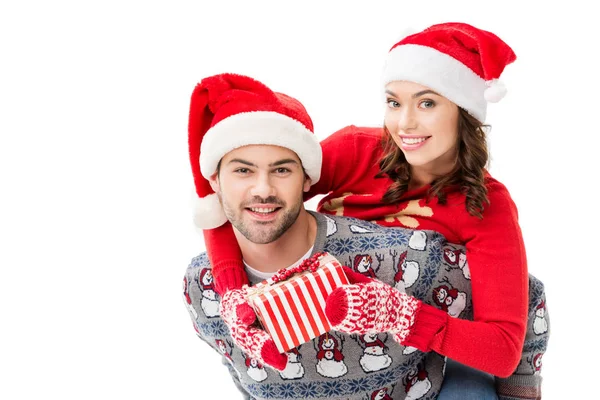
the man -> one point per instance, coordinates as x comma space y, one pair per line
253, 155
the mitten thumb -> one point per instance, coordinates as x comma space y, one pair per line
245, 313
272, 356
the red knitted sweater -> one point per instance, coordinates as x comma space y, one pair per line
494, 244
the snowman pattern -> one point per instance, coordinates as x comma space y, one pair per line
255, 369
457, 259
374, 357
418, 240
359, 229
331, 226
330, 360
407, 273
293, 369
209, 302
417, 383
381, 394
536, 363
449, 299
223, 349
540, 325
363, 264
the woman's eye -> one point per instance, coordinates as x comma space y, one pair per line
427, 104
392, 103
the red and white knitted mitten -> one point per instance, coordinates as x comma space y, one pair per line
256, 343
372, 307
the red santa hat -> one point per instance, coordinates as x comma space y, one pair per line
457, 60
228, 111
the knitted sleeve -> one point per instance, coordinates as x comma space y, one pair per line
493, 341
339, 153
526, 381
225, 257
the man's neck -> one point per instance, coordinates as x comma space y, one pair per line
283, 252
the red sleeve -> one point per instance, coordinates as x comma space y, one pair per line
493, 341
225, 257
338, 150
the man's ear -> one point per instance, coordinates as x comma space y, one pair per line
214, 183
307, 184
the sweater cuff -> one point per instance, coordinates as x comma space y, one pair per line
517, 387
228, 276
428, 322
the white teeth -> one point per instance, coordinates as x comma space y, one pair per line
262, 210
413, 140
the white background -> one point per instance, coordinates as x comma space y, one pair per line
95, 216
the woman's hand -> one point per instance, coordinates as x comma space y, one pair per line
371, 307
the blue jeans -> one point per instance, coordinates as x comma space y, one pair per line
465, 383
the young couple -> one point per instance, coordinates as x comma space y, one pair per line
440, 299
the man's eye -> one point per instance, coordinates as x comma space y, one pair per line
242, 170
282, 170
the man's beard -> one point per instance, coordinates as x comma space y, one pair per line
253, 231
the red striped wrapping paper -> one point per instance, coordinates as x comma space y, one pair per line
293, 311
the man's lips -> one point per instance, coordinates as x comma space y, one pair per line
263, 212
263, 208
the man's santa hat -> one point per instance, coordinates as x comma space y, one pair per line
228, 111
456, 60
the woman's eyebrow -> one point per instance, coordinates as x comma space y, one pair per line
422, 92
414, 96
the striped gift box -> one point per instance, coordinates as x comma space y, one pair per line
293, 311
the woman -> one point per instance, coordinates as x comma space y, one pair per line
426, 170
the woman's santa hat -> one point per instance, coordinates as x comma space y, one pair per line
457, 60
228, 111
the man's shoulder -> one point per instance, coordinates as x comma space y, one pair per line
346, 225
350, 235
341, 225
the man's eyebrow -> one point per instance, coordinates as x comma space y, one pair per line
414, 96
284, 161
239, 160
275, 164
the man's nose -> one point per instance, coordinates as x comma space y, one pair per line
263, 186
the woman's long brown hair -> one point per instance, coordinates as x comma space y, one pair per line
468, 172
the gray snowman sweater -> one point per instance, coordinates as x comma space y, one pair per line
365, 367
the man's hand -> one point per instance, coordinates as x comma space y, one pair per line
256, 343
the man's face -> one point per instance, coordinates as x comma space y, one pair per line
260, 188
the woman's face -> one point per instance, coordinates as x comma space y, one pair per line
423, 124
